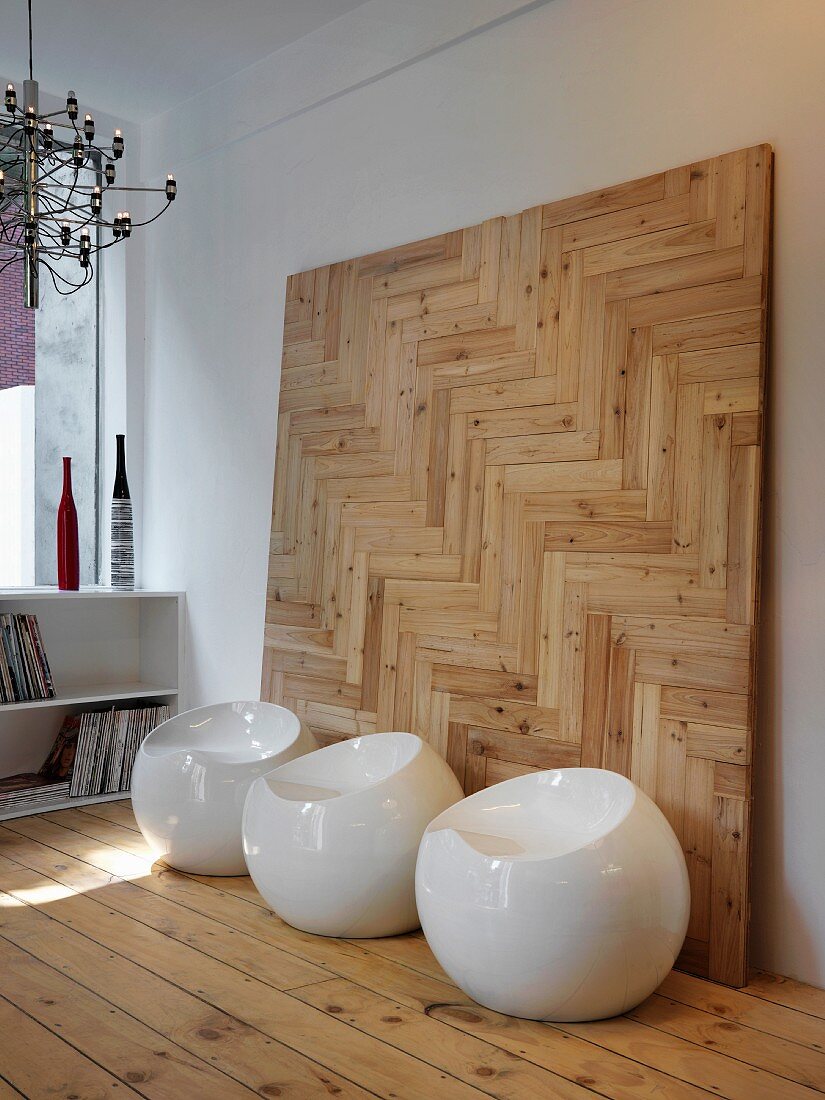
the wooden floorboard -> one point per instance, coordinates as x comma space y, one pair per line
123, 978
42, 1064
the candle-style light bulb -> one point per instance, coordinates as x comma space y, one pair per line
117, 145
71, 105
48, 137
11, 98
96, 200
109, 172
171, 187
65, 234
89, 128
78, 154
126, 223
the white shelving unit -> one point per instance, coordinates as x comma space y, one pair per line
104, 647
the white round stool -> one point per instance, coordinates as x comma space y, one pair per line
331, 839
192, 773
560, 895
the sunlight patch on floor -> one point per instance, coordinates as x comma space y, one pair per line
123, 864
38, 895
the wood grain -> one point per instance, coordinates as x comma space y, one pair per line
517, 502
123, 978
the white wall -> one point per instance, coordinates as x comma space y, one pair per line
17, 486
563, 97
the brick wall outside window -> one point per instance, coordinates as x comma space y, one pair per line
16, 331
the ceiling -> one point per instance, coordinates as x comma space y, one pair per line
136, 58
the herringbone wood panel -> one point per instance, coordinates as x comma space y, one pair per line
517, 502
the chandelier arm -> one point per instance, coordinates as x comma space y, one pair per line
65, 208
163, 209
83, 219
81, 188
56, 114
148, 190
46, 231
102, 224
99, 223
78, 222
108, 244
67, 163
46, 198
109, 225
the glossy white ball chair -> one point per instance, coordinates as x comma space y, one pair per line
331, 839
192, 774
560, 895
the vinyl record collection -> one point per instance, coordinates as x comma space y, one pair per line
92, 754
106, 748
29, 791
24, 669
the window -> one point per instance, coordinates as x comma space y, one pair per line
49, 400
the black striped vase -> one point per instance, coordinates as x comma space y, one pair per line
123, 538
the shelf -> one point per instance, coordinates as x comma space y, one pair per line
93, 693
106, 647
52, 592
67, 804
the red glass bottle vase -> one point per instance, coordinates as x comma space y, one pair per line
68, 558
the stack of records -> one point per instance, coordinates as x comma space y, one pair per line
106, 748
21, 793
92, 754
24, 670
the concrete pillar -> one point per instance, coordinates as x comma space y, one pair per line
66, 422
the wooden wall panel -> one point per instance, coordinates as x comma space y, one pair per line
517, 502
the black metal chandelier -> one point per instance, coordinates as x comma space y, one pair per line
49, 219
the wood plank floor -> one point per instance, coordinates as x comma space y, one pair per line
119, 978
